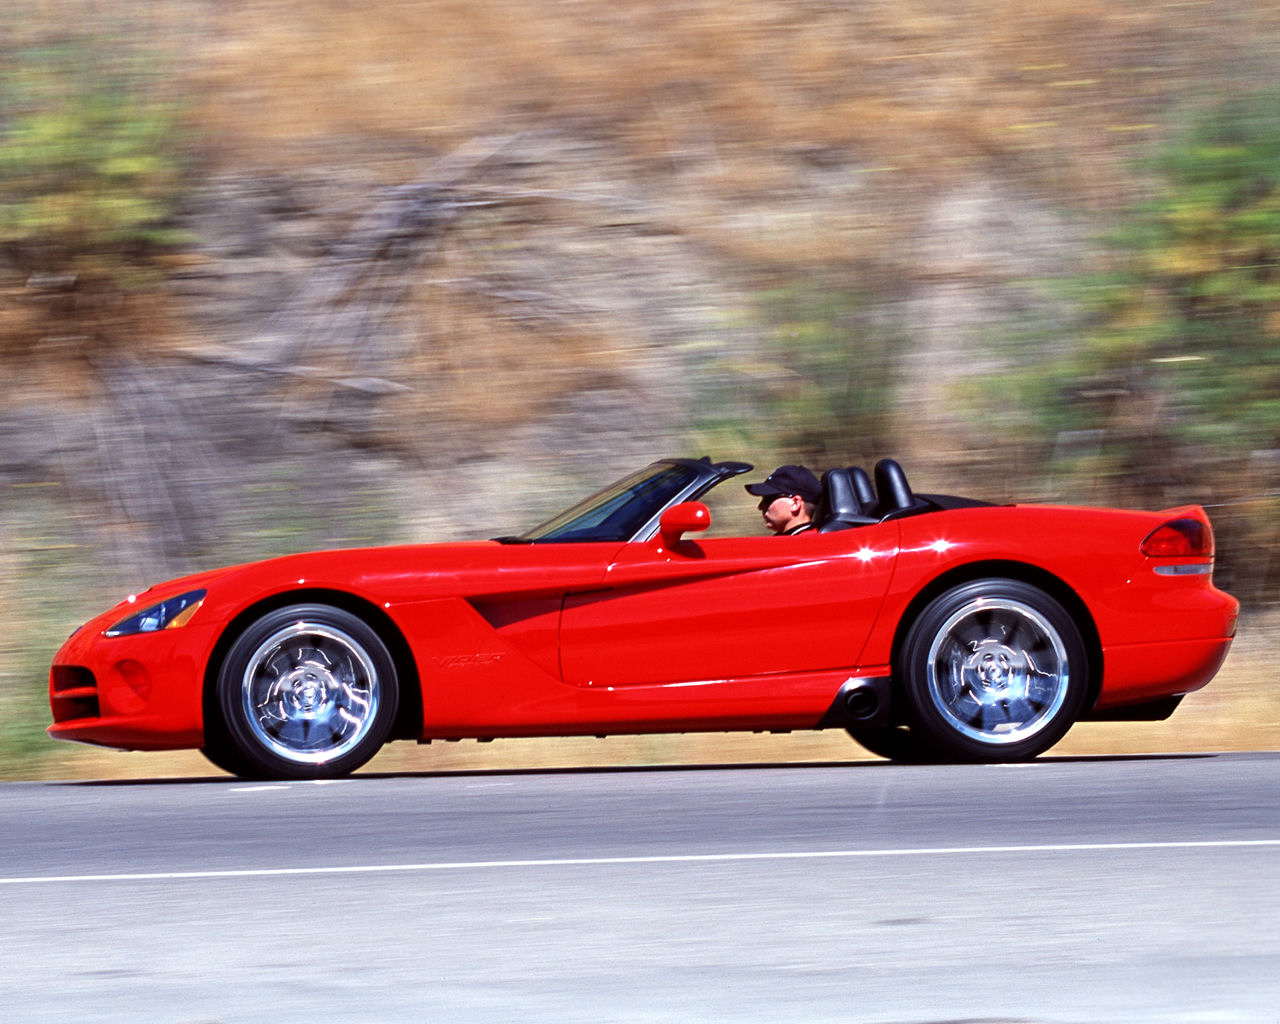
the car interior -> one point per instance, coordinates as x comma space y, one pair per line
849, 499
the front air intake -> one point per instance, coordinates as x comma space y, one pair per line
74, 693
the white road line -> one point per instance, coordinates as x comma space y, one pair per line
265, 786
692, 858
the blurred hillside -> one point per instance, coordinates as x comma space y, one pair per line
278, 275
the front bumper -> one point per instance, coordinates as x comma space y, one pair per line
141, 692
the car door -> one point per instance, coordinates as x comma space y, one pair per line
721, 609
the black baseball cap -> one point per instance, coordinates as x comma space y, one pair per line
788, 480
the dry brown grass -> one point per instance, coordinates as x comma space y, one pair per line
914, 82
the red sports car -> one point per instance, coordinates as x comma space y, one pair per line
929, 626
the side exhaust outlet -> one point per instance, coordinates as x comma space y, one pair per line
860, 701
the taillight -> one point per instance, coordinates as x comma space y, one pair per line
1179, 538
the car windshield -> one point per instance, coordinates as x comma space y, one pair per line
620, 510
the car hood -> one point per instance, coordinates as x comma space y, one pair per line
403, 573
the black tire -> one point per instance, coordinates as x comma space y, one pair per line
895, 744
993, 670
221, 754
305, 692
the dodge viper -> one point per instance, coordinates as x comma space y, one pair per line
929, 626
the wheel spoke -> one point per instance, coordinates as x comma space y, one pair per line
287, 730
990, 716
966, 708
1025, 635
970, 632
1042, 687
356, 700
1019, 711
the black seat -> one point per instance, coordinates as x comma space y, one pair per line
839, 508
894, 493
862, 488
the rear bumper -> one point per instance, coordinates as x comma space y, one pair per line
1138, 673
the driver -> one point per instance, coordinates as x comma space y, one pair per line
788, 497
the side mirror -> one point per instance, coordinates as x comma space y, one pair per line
687, 517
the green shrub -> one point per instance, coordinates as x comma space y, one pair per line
1183, 320
90, 164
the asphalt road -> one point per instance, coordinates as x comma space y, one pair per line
1065, 891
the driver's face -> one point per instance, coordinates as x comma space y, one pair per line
780, 511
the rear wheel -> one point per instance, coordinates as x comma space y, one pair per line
994, 670
306, 692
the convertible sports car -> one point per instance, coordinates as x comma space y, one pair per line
930, 627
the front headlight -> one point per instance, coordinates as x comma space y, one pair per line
170, 614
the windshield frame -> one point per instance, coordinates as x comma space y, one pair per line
629, 509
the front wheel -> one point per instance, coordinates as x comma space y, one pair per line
994, 670
305, 692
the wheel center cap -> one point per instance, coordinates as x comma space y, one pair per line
995, 671
308, 687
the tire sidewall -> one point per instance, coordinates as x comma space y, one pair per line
931, 723
236, 731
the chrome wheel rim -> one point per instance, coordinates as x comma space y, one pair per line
998, 671
310, 692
